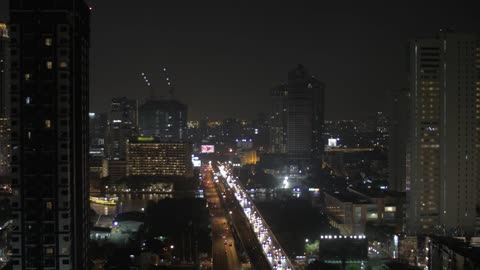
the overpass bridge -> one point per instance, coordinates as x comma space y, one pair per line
276, 256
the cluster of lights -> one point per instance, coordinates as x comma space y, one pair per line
275, 255
342, 236
347, 261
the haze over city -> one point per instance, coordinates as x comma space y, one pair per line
243, 49
257, 135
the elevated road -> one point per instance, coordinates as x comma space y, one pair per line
224, 254
243, 211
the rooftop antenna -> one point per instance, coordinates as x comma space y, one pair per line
149, 85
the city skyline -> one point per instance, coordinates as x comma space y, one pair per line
367, 43
225, 137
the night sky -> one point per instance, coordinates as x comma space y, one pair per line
224, 57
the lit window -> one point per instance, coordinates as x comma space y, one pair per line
49, 64
27, 76
48, 42
63, 64
49, 205
28, 100
49, 251
48, 123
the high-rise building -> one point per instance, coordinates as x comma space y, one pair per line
97, 129
444, 169
4, 62
149, 156
399, 114
278, 121
305, 116
122, 125
381, 129
50, 43
163, 118
5, 147
4, 120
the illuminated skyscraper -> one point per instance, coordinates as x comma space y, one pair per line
50, 43
149, 156
444, 169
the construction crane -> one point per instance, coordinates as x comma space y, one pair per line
149, 85
169, 81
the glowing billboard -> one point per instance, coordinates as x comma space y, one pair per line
207, 148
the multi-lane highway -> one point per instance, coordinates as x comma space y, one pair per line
245, 232
224, 253
268, 253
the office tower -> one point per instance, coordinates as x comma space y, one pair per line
5, 148
97, 129
444, 147
4, 60
399, 114
4, 120
163, 118
150, 156
122, 125
49, 116
305, 116
278, 121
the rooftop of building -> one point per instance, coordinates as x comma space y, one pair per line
157, 140
163, 102
459, 246
131, 216
347, 196
375, 193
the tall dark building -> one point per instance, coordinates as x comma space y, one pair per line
50, 43
4, 52
122, 125
163, 118
98, 129
305, 116
4, 120
278, 121
399, 114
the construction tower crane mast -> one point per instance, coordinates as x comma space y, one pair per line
168, 79
149, 85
